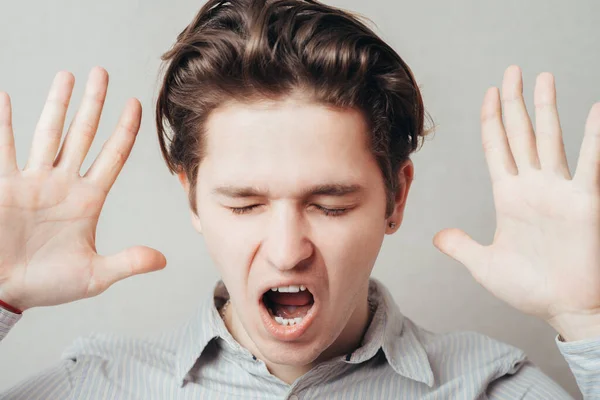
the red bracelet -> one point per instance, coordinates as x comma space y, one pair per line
10, 308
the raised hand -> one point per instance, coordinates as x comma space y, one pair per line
545, 256
49, 212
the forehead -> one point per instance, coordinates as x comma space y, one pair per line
285, 141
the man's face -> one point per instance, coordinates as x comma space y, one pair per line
289, 194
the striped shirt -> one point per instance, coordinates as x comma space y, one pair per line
396, 360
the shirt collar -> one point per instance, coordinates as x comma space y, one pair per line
204, 326
389, 330
396, 336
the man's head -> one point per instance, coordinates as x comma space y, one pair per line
292, 127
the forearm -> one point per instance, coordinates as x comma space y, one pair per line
583, 357
55, 382
7, 321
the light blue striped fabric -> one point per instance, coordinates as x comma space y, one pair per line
397, 360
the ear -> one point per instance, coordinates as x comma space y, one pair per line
405, 177
186, 187
184, 181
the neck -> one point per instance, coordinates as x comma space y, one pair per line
349, 339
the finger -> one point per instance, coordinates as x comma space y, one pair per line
588, 165
132, 261
518, 125
493, 137
8, 155
107, 166
548, 134
48, 131
85, 124
461, 247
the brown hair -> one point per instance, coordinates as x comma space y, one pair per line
248, 50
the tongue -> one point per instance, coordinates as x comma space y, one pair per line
291, 299
290, 305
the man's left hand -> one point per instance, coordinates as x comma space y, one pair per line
545, 256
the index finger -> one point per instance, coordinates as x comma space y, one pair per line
107, 166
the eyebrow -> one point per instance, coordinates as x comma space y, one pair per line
330, 189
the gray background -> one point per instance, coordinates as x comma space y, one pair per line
456, 49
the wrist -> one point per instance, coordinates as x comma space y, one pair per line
573, 327
10, 308
11, 301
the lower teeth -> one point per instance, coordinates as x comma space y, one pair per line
284, 321
288, 321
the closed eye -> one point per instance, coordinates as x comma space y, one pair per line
330, 212
242, 210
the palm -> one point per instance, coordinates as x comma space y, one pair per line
49, 213
545, 256
53, 220
545, 236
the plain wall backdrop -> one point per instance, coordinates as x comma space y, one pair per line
456, 50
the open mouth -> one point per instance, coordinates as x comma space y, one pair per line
288, 305
288, 310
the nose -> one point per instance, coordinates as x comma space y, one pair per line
286, 244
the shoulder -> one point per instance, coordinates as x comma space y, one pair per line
470, 344
474, 364
104, 361
530, 382
467, 354
499, 369
106, 348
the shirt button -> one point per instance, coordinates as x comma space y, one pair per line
293, 397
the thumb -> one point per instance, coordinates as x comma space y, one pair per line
460, 246
132, 261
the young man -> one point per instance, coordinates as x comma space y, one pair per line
292, 125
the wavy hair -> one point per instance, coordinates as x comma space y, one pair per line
251, 50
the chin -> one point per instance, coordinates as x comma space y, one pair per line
292, 325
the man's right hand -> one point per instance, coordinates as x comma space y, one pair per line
49, 213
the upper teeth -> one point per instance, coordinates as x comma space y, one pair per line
289, 289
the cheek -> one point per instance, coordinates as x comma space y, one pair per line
229, 245
350, 255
